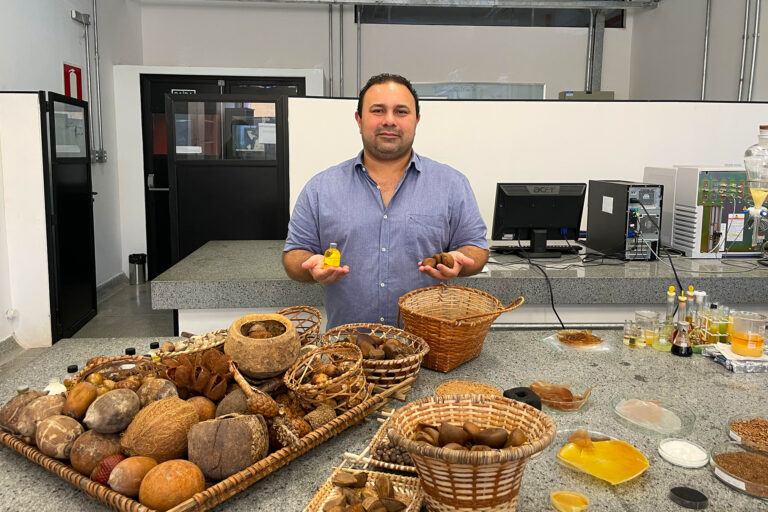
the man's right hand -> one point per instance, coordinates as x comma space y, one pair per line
323, 275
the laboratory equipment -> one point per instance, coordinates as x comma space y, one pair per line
748, 333
756, 163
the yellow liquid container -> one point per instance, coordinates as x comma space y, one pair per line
332, 257
651, 337
749, 345
758, 195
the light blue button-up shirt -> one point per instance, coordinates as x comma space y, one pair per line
432, 210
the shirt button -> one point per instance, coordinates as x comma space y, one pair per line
383, 249
378, 187
385, 216
382, 285
381, 319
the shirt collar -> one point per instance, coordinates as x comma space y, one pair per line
415, 162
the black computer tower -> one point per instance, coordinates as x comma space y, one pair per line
624, 218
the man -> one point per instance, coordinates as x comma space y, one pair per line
387, 209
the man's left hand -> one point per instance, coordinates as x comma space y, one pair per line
447, 273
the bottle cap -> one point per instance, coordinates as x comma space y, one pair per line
130, 351
333, 245
154, 345
72, 368
688, 498
22, 389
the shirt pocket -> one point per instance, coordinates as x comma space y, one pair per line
426, 234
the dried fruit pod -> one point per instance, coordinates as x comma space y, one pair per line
447, 260
156, 389
90, 448
258, 401
384, 487
126, 477
36, 411
320, 416
55, 435
104, 468
11, 411
228, 444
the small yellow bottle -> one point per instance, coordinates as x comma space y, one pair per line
332, 257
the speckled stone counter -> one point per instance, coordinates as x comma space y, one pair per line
249, 274
509, 359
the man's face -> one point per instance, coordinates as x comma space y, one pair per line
388, 121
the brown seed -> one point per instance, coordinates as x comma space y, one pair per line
377, 354
351, 495
493, 437
455, 446
480, 448
433, 433
392, 505
447, 260
471, 428
450, 433
516, 438
335, 501
429, 262
319, 378
423, 437
344, 479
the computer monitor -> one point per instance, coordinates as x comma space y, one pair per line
537, 212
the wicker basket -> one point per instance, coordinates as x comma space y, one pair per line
197, 343
479, 481
453, 320
306, 320
380, 437
120, 368
407, 490
385, 373
347, 389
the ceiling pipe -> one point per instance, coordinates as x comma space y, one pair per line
590, 52
85, 20
101, 154
755, 37
359, 45
744, 48
706, 51
330, 50
341, 51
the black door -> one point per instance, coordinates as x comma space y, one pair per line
153, 91
69, 208
228, 169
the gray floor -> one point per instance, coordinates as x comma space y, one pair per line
124, 311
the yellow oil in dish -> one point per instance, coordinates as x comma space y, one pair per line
613, 461
332, 257
758, 195
569, 501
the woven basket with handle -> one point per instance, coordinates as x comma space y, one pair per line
388, 372
453, 320
486, 481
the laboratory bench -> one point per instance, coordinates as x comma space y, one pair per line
509, 359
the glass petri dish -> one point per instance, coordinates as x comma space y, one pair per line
749, 436
742, 482
696, 456
627, 463
654, 416
577, 388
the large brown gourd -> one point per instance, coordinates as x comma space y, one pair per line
228, 444
55, 435
113, 411
160, 430
11, 411
262, 358
170, 483
37, 410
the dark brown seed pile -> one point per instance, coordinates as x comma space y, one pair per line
386, 452
750, 467
754, 430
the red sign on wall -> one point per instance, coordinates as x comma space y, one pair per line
73, 81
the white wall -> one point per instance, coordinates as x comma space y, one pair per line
668, 51
25, 235
296, 36
498, 141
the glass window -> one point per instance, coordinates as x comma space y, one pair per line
484, 16
225, 131
69, 130
480, 91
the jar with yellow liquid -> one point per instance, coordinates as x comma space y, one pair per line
748, 333
332, 257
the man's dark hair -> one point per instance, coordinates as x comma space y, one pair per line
383, 79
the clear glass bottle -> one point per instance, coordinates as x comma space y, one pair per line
681, 346
332, 257
69, 378
756, 163
631, 334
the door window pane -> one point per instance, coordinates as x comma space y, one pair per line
225, 131
69, 130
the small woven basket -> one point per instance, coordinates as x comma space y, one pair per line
478, 481
120, 368
197, 343
453, 320
389, 372
347, 389
306, 320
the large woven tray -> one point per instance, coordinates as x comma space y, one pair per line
216, 493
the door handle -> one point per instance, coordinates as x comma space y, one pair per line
151, 184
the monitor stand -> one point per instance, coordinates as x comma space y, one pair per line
538, 247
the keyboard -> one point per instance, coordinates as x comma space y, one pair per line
562, 247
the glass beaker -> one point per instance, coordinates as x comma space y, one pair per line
648, 324
748, 333
631, 334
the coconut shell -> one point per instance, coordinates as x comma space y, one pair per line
262, 358
234, 402
90, 448
170, 483
156, 389
113, 411
11, 411
160, 430
228, 444
126, 477
55, 435
37, 410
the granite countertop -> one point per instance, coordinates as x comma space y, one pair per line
249, 273
509, 359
